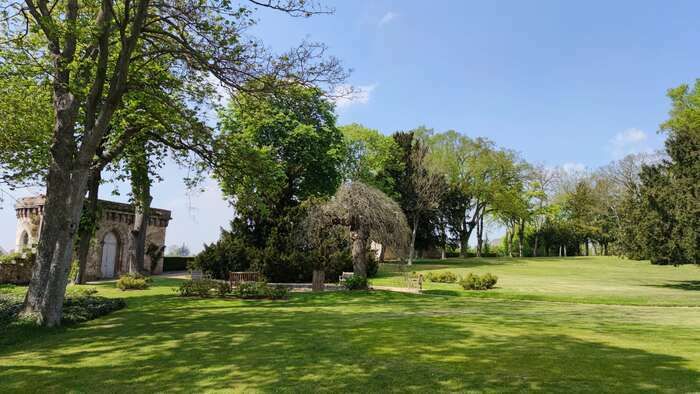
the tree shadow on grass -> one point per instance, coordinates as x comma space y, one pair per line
693, 285
336, 342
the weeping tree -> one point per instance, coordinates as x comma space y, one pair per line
367, 215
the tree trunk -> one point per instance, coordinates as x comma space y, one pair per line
412, 247
65, 194
605, 249
359, 252
442, 254
534, 250
480, 236
382, 252
464, 241
521, 235
586, 247
87, 231
560, 250
565, 255
319, 279
509, 240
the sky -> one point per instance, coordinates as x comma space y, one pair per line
572, 84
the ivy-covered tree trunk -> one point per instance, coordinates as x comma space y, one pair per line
141, 193
88, 225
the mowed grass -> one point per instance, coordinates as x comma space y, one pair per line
601, 280
380, 341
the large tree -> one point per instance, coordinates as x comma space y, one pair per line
670, 190
90, 51
278, 150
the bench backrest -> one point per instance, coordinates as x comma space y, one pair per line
242, 277
346, 275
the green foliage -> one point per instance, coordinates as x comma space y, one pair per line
74, 291
10, 306
355, 282
198, 288
222, 288
74, 268
670, 190
371, 157
476, 282
81, 309
280, 149
260, 290
230, 253
26, 256
441, 277
77, 307
133, 281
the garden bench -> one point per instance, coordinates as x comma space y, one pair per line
199, 275
344, 276
236, 278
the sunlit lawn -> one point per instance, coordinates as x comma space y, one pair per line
380, 341
607, 280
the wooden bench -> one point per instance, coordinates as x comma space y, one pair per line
344, 276
236, 278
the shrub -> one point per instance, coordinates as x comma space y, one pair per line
197, 288
223, 289
80, 291
80, 309
75, 309
441, 277
355, 283
133, 281
260, 290
10, 307
279, 293
476, 282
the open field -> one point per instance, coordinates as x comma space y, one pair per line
515, 340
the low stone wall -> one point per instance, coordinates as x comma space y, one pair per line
18, 273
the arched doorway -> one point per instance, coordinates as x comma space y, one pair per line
109, 255
24, 240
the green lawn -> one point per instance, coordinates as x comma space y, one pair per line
600, 280
380, 341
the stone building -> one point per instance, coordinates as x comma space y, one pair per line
109, 249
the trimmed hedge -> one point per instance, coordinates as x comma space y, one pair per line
176, 263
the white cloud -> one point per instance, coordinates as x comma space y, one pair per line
388, 17
628, 142
347, 95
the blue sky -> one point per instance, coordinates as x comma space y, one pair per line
563, 83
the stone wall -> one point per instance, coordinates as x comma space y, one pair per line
18, 271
